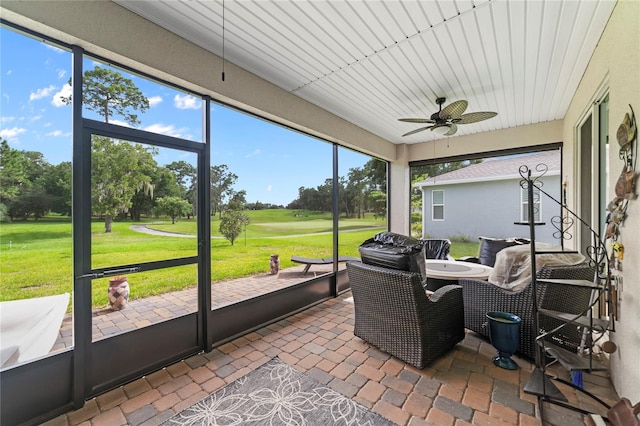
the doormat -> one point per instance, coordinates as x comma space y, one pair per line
276, 394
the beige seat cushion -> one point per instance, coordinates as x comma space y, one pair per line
512, 270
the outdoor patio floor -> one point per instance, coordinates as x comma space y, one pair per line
462, 387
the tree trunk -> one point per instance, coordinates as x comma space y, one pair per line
107, 223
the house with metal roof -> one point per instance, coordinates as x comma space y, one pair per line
491, 191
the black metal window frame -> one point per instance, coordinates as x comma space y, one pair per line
69, 372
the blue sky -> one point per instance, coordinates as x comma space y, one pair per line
271, 162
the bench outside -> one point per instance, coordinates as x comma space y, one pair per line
308, 261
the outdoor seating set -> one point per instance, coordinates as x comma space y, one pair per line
396, 311
392, 310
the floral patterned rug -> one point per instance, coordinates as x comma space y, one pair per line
277, 394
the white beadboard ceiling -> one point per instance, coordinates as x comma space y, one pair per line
372, 62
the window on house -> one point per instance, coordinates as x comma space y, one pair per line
437, 205
478, 200
537, 211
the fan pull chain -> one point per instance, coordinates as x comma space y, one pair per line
223, 40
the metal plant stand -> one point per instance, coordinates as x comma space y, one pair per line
594, 322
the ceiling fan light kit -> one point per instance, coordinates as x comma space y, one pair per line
445, 121
440, 130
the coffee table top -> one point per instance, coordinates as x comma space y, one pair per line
456, 269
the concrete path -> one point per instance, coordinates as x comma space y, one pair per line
143, 229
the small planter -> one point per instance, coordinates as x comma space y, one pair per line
504, 332
118, 293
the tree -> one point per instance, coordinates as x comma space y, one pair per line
116, 173
232, 223
376, 172
184, 172
56, 182
356, 190
185, 176
142, 201
221, 187
36, 203
13, 172
174, 207
416, 205
237, 200
109, 93
23, 183
116, 176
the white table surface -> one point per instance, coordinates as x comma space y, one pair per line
456, 269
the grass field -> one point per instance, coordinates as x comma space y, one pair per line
36, 256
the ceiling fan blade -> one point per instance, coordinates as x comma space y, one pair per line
416, 120
474, 117
452, 129
413, 132
453, 110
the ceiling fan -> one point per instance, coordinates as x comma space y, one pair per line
445, 121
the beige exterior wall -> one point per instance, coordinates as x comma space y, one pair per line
399, 180
616, 64
514, 137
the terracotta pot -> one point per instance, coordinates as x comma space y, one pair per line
118, 293
274, 263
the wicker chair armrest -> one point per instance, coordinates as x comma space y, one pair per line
446, 293
479, 291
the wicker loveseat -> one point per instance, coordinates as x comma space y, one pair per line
393, 312
481, 297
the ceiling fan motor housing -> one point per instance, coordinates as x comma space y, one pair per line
445, 120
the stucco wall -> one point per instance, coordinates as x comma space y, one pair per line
616, 64
515, 137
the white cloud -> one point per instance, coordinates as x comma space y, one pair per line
11, 133
120, 123
254, 153
168, 130
41, 93
57, 97
35, 118
7, 119
187, 102
269, 188
57, 133
62, 73
155, 100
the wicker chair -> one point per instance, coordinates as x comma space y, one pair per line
436, 248
393, 312
481, 297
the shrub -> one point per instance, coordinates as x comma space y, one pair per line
460, 238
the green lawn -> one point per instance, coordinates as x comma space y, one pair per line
274, 222
36, 256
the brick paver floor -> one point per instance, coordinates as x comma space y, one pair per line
143, 312
462, 387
